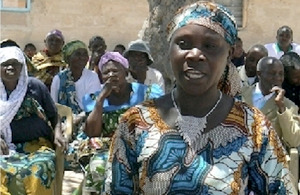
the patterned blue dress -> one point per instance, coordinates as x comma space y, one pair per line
241, 155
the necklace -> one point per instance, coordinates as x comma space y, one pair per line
190, 127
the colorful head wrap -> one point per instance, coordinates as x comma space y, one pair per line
9, 106
211, 15
57, 33
70, 47
114, 56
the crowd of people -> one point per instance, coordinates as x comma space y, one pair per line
225, 128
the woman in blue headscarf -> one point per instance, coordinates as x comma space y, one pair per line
197, 139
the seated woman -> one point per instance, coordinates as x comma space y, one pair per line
68, 88
28, 117
106, 107
48, 62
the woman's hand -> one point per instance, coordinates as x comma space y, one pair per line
4, 147
78, 118
109, 86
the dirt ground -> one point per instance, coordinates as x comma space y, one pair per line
71, 181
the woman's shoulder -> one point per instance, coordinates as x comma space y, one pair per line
147, 91
243, 109
36, 83
89, 74
140, 111
38, 90
248, 118
144, 114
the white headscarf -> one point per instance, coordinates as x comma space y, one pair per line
9, 107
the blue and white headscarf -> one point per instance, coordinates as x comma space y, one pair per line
211, 15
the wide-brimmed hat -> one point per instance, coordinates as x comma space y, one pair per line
141, 46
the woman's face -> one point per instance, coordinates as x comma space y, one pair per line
10, 70
54, 44
198, 56
78, 59
114, 72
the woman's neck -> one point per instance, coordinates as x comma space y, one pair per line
76, 73
204, 102
10, 86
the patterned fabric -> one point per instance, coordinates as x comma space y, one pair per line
29, 107
70, 47
67, 96
208, 14
114, 56
67, 91
240, 155
47, 66
73, 154
111, 121
31, 169
30, 67
10, 103
111, 116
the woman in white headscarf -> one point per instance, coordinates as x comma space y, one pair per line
28, 118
